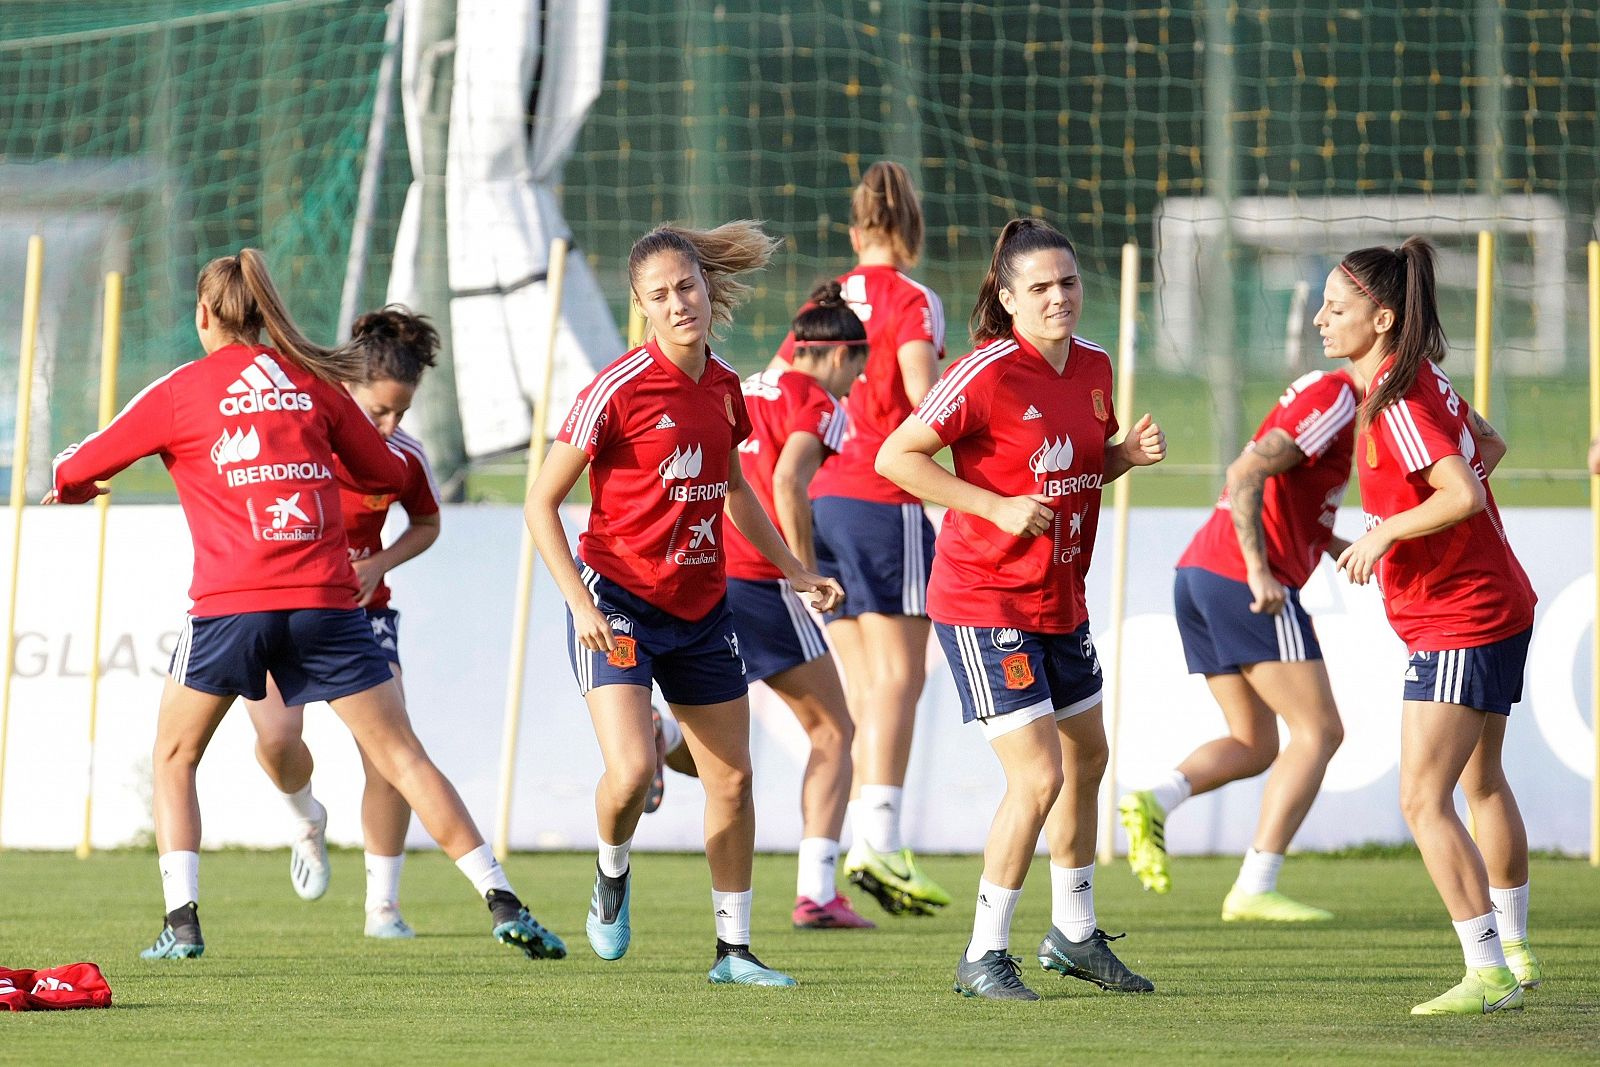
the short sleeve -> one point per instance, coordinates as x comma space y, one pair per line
592, 422
736, 409
921, 318
421, 494
816, 412
1315, 414
1417, 433
958, 404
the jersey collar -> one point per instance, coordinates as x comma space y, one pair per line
672, 368
1027, 349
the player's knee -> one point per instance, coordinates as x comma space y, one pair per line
831, 736
1090, 759
1040, 790
1260, 749
733, 790
631, 780
276, 750
1421, 802
177, 752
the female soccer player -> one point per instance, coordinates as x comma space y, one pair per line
1237, 594
397, 346
250, 434
647, 597
795, 423
874, 537
1028, 419
1457, 597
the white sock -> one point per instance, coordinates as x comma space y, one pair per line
1480, 941
671, 733
733, 916
1171, 791
877, 815
484, 870
991, 926
383, 879
1511, 910
306, 807
1072, 901
1259, 872
614, 858
180, 878
818, 858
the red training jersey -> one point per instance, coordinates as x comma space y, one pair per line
1458, 588
1015, 427
1298, 506
365, 513
895, 311
781, 404
659, 445
249, 438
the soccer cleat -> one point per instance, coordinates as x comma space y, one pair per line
308, 859
180, 936
1481, 991
1524, 964
384, 921
1145, 822
658, 784
514, 926
737, 965
1269, 907
608, 926
1092, 960
836, 914
993, 976
894, 880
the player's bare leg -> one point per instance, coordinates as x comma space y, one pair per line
385, 818
281, 750
1503, 841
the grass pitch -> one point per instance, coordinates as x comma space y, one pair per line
284, 981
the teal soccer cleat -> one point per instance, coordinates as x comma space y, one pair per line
514, 926
737, 965
608, 926
180, 936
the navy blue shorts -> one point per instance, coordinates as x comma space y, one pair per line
880, 553
1488, 677
312, 653
385, 623
692, 662
1001, 669
1220, 633
776, 631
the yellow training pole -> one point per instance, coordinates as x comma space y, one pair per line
554, 279
110, 350
32, 281
1483, 362
1127, 324
1594, 508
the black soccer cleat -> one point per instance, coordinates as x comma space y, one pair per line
1092, 960
180, 936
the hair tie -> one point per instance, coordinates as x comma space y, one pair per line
1362, 286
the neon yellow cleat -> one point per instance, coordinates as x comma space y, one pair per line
1270, 907
894, 880
1524, 964
1145, 823
1481, 991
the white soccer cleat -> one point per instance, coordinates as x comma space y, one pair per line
308, 860
385, 921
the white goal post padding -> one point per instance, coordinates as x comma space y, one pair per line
1187, 229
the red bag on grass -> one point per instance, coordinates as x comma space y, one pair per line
77, 985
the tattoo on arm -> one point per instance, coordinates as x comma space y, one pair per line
1481, 427
1273, 454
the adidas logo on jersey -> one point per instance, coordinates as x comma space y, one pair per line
1031, 414
235, 447
666, 423
262, 386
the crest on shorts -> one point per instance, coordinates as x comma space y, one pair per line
1372, 451
727, 406
1018, 672
1098, 397
377, 502
626, 654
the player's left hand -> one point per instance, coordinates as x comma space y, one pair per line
53, 497
1360, 560
1145, 444
369, 572
823, 594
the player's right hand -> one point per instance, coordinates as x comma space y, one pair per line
592, 629
1023, 516
1267, 593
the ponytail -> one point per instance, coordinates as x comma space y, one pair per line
1021, 237
240, 295
827, 322
885, 207
1402, 281
731, 249
396, 343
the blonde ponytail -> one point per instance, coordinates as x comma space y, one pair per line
885, 208
240, 295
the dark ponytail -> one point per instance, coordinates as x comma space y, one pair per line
398, 344
827, 322
1021, 237
1401, 280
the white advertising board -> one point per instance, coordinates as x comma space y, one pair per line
455, 604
